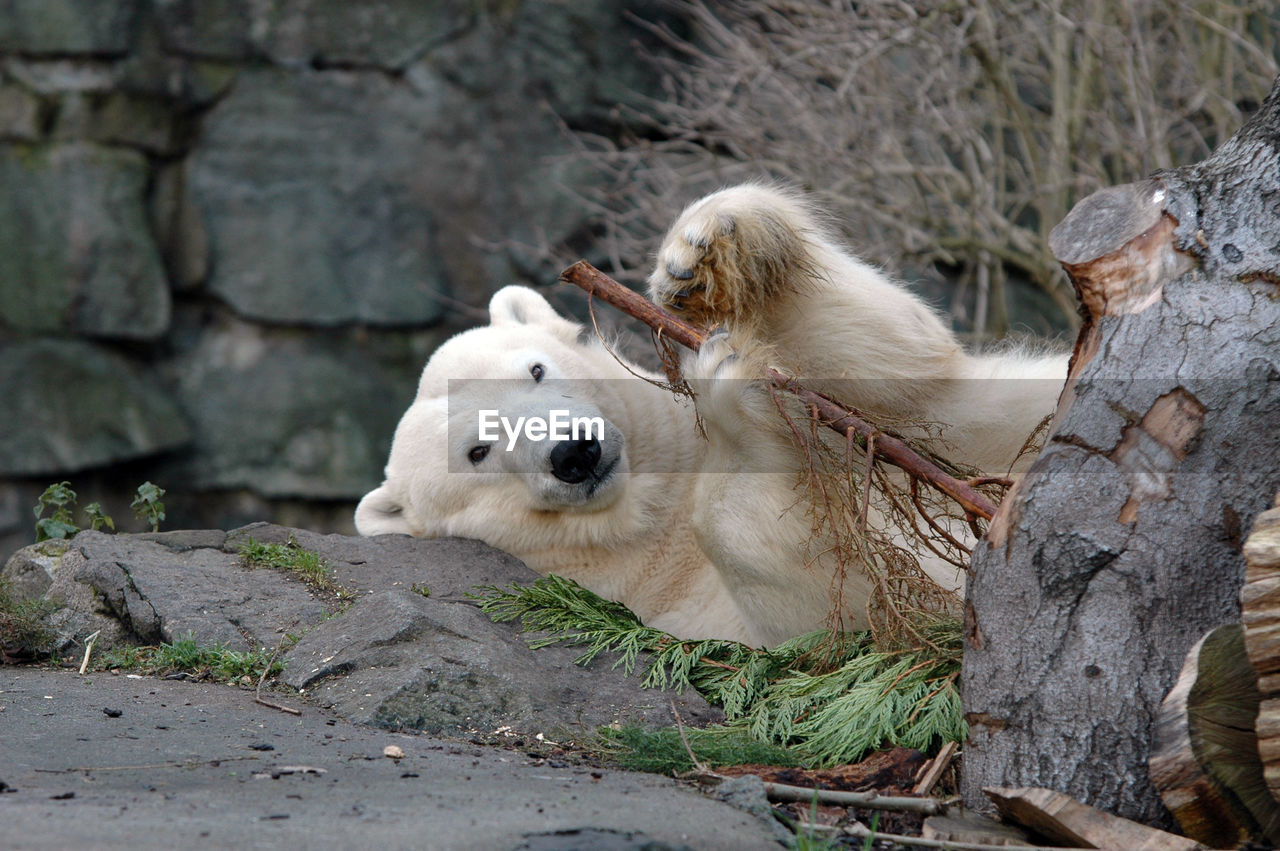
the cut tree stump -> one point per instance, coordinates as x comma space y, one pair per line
1260, 601
1205, 762
1120, 546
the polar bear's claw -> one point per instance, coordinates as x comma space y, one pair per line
679, 273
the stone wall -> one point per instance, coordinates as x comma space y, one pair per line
231, 231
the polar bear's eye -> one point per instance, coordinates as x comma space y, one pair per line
478, 453
537, 371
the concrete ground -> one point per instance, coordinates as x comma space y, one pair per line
112, 761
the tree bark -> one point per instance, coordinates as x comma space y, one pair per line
1120, 547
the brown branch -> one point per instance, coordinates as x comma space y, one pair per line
279, 706
257, 695
832, 414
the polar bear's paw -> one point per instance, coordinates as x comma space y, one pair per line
723, 382
715, 359
730, 254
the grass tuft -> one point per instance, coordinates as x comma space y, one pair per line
289, 556
23, 633
187, 656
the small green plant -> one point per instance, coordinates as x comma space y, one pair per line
147, 506
420, 588
186, 655
289, 556
97, 517
60, 501
61, 523
869, 843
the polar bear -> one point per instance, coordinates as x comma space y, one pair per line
609, 511
701, 537
758, 263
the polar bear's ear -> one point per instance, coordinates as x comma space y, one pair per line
523, 306
380, 513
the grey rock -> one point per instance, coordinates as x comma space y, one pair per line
146, 123
95, 27
402, 661
179, 228
311, 186
63, 76
29, 573
187, 84
286, 415
19, 114
450, 568
213, 29
385, 34
746, 792
71, 406
75, 252
393, 659
162, 589
46, 571
530, 46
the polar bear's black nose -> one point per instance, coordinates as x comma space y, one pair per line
573, 460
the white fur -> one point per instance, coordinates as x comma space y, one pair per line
722, 549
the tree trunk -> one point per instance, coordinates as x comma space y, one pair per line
1121, 545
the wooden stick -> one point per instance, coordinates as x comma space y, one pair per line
933, 771
257, 695
832, 414
596, 283
278, 706
88, 649
867, 800
861, 831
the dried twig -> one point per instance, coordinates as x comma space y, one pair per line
831, 414
279, 706
698, 764
257, 695
867, 800
861, 831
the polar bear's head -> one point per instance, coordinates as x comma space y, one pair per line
469, 457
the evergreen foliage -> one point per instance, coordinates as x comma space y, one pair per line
832, 698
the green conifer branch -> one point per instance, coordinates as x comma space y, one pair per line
832, 698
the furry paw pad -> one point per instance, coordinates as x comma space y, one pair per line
729, 254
